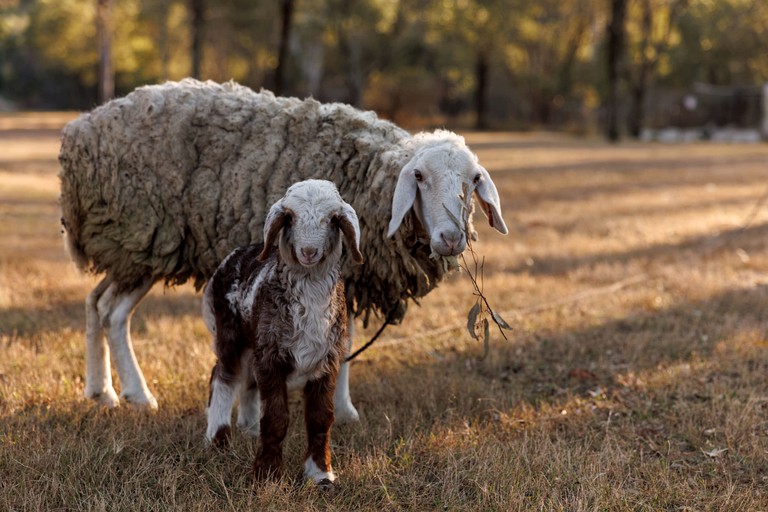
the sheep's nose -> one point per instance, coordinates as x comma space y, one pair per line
451, 239
308, 252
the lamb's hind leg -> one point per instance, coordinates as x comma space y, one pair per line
221, 400
342, 403
115, 310
98, 377
249, 408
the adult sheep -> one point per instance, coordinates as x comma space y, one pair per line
162, 184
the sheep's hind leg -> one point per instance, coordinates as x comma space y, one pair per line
98, 375
345, 412
115, 310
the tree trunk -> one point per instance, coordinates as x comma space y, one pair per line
282, 51
616, 32
197, 7
162, 42
636, 118
481, 79
106, 78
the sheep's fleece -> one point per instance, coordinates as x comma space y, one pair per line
167, 181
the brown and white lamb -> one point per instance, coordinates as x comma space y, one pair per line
279, 319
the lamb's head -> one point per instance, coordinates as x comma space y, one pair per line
436, 182
308, 224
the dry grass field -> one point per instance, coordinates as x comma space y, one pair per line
635, 378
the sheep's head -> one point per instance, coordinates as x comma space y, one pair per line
436, 183
309, 223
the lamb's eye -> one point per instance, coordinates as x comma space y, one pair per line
477, 179
418, 175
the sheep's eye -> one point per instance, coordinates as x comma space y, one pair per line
477, 179
418, 175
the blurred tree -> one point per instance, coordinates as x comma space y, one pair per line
286, 21
722, 42
615, 43
104, 39
487, 63
650, 31
197, 10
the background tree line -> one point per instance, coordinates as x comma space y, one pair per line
515, 64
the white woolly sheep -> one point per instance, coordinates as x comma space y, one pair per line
279, 320
164, 183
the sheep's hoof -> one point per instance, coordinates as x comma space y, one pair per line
147, 402
105, 398
345, 413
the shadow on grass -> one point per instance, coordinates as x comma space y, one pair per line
748, 239
58, 316
536, 368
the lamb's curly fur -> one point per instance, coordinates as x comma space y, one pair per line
164, 183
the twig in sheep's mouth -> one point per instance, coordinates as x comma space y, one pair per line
478, 314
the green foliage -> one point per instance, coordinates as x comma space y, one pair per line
533, 62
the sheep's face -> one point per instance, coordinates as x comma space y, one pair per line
309, 223
435, 183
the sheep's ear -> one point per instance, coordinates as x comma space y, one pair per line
350, 227
488, 198
277, 218
405, 195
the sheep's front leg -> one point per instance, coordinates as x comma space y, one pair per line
98, 377
274, 422
318, 414
345, 411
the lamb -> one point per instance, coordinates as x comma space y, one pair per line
162, 184
279, 320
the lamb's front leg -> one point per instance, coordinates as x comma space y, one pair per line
345, 411
274, 423
318, 413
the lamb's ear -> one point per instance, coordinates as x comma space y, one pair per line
405, 195
350, 227
277, 218
488, 198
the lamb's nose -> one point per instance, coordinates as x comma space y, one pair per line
308, 252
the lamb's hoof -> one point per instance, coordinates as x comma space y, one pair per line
250, 429
326, 485
105, 398
220, 440
146, 402
345, 413
267, 470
